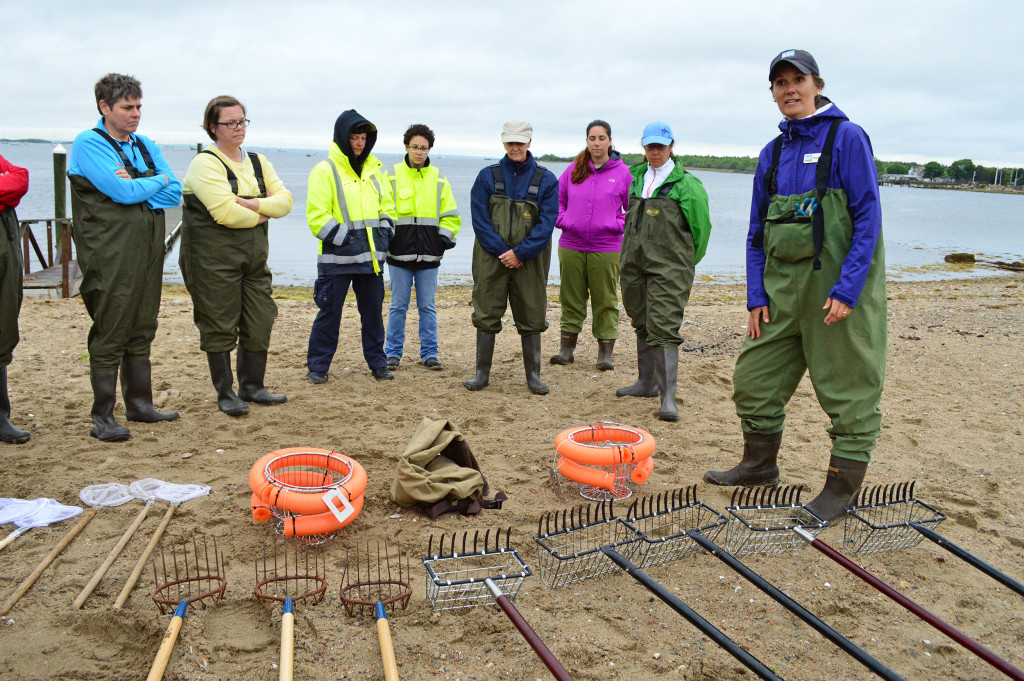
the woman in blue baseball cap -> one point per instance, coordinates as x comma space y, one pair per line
815, 288
667, 230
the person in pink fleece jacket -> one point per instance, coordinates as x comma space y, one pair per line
593, 194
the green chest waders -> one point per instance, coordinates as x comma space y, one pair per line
496, 286
120, 249
226, 273
11, 266
656, 267
846, 360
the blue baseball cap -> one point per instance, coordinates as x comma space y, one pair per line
800, 59
657, 133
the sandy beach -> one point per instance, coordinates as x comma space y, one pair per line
953, 415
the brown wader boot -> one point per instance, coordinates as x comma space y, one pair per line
220, 372
646, 385
8, 433
565, 355
252, 368
137, 390
531, 362
484, 355
104, 395
758, 466
666, 363
604, 354
842, 482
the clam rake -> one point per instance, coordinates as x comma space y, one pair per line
484, 573
888, 517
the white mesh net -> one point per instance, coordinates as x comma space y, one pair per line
12, 509
50, 512
151, 488
106, 494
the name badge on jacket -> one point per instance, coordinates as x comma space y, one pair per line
812, 158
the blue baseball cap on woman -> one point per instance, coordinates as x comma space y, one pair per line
657, 133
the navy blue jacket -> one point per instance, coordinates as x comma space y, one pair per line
517, 182
853, 171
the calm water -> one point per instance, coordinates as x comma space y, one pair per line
921, 225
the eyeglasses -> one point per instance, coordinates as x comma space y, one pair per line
234, 125
413, 147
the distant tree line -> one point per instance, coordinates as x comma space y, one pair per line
962, 171
734, 164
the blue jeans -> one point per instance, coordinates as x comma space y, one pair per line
402, 280
329, 295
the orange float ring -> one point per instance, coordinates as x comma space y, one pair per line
320, 523
302, 502
578, 444
585, 475
642, 471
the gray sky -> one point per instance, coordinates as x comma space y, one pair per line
932, 80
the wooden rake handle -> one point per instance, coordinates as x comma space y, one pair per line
102, 570
50, 557
163, 655
133, 578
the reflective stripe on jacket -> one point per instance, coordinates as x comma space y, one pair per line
349, 214
426, 217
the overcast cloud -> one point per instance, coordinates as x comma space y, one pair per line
927, 80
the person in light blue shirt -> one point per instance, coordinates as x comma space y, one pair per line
120, 186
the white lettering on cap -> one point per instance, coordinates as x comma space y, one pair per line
787, 53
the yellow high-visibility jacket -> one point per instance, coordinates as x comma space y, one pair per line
349, 214
427, 220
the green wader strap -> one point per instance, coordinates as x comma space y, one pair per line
531, 194
257, 168
821, 175
771, 187
128, 165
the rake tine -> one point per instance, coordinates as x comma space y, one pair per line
476, 537
732, 502
799, 491
912, 483
547, 517
588, 514
508, 538
611, 509
464, 542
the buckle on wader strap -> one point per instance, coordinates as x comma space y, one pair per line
257, 169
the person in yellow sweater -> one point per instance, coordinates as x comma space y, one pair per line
230, 196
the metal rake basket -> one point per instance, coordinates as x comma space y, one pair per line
369, 579
764, 518
182, 579
663, 520
457, 579
569, 543
879, 519
278, 578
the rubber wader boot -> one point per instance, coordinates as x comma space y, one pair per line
666, 362
484, 355
758, 466
137, 390
8, 433
565, 355
842, 482
646, 385
220, 372
104, 394
604, 354
252, 368
531, 362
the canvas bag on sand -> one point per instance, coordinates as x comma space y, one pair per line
438, 470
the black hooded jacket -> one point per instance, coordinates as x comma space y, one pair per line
346, 124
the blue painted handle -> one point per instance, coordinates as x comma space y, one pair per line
180, 610
289, 607
379, 611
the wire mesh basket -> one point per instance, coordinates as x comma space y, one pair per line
764, 518
663, 520
879, 519
569, 544
457, 580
